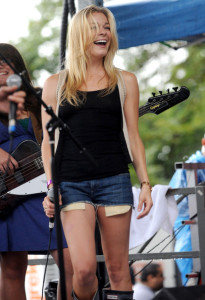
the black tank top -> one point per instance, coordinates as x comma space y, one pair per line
97, 125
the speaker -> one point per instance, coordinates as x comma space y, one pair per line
182, 293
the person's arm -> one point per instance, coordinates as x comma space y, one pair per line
49, 97
131, 111
7, 93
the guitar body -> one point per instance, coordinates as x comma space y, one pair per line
20, 183
25, 149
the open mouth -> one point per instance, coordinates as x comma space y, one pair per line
100, 42
3, 73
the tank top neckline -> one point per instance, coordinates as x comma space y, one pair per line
96, 91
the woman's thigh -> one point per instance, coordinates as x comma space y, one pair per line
79, 230
115, 236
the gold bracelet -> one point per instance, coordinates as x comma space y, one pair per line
147, 183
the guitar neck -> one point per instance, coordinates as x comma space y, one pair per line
143, 110
158, 104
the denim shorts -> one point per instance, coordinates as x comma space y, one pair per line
109, 191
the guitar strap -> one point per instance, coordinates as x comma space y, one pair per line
122, 92
63, 75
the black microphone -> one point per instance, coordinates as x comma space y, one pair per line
50, 194
13, 80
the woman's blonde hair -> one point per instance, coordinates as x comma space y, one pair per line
80, 38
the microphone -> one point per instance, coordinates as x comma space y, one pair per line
50, 194
13, 80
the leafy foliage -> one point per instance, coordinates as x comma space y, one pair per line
41, 47
176, 133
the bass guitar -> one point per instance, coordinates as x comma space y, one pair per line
28, 179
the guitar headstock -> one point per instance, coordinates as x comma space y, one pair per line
161, 102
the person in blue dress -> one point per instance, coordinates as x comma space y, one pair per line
25, 228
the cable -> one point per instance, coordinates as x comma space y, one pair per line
175, 234
46, 264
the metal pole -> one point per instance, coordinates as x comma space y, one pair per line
200, 199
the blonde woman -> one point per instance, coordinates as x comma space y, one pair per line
100, 105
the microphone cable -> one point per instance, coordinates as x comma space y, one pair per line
176, 232
50, 194
46, 263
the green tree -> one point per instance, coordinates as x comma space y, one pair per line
176, 133
41, 48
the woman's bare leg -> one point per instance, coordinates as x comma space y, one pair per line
68, 273
79, 229
115, 243
12, 275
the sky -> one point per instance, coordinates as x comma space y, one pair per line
14, 19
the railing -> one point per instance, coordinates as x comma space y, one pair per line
196, 196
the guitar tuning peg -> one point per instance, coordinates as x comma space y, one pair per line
160, 92
153, 94
175, 88
168, 91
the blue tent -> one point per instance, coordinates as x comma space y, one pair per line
142, 22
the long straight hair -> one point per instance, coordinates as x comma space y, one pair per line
79, 39
14, 57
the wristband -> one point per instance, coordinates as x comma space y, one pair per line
147, 183
49, 182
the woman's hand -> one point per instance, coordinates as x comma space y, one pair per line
49, 207
9, 93
145, 201
12, 165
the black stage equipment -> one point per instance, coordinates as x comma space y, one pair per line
182, 293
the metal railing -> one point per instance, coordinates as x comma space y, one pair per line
196, 195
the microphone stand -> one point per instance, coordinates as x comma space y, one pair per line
53, 123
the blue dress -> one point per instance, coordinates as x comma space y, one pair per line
26, 227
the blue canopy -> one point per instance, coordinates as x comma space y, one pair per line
142, 22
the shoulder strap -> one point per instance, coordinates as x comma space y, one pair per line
61, 81
122, 93
121, 87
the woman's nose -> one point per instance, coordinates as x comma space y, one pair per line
102, 30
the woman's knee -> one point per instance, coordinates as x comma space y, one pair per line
14, 272
85, 275
117, 272
14, 267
